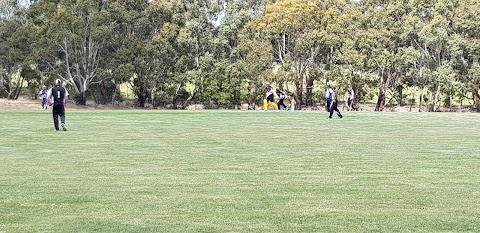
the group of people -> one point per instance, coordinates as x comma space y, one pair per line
270, 98
330, 96
56, 97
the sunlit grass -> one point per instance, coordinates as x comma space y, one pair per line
239, 171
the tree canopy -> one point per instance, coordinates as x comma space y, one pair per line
174, 53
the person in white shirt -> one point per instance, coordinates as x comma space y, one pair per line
269, 97
350, 98
42, 94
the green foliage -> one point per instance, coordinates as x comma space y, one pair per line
220, 52
105, 92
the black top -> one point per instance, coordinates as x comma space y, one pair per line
58, 94
280, 94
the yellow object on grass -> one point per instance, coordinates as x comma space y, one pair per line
266, 104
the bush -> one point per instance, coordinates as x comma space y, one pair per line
105, 92
79, 99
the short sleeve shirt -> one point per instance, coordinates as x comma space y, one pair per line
58, 94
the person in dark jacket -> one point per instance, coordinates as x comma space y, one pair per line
57, 96
281, 98
331, 97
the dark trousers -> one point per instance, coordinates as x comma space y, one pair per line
58, 111
333, 107
44, 103
280, 104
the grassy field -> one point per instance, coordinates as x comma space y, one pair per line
239, 171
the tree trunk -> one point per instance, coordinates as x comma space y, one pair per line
9, 87
309, 95
433, 101
382, 92
476, 98
2, 83
299, 91
141, 101
80, 98
448, 101
420, 93
356, 98
142, 95
190, 97
462, 96
381, 98
380, 101
400, 95
18, 89
252, 96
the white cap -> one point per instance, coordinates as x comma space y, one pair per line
328, 84
58, 82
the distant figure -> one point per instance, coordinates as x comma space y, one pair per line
269, 97
281, 98
331, 97
42, 94
57, 96
350, 98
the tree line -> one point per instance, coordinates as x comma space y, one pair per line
219, 53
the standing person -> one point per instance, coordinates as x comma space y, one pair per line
58, 96
269, 97
281, 98
350, 98
43, 95
332, 101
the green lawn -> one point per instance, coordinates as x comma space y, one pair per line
239, 171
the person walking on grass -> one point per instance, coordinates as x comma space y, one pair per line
281, 98
57, 96
269, 97
331, 97
43, 95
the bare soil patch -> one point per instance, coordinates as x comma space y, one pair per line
26, 103
23, 103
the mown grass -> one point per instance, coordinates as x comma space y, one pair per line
239, 171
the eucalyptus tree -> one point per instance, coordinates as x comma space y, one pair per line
290, 26
136, 48
354, 54
428, 27
384, 48
254, 61
15, 49
466, 46
195, 39
8, 8
8, 64
435, 37
72, 38
206, 43
227, 76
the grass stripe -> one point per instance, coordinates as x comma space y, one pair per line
239, 171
